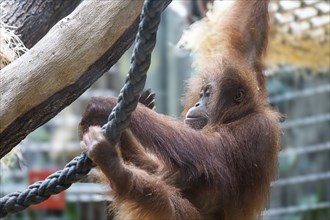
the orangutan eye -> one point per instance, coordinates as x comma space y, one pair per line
207, 92
239, 95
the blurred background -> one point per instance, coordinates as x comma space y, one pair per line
298, 85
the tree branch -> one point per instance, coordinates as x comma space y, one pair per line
34, 18
62, 65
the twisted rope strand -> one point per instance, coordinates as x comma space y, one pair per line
119, 118
42, 190
128, 98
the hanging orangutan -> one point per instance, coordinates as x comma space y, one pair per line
216, 164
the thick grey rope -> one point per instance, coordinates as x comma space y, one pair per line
40, 191
119, 119
128, 98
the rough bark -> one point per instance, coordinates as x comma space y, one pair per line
57, 70
34, 18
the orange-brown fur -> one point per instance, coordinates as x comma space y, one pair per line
222, 171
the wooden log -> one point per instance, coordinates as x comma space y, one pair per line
34, 18
62, 65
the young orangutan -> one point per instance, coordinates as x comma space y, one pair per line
220, 162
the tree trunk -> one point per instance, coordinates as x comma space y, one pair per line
34, 18
57, 70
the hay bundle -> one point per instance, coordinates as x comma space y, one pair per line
202, 38
302, 40
11, 47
